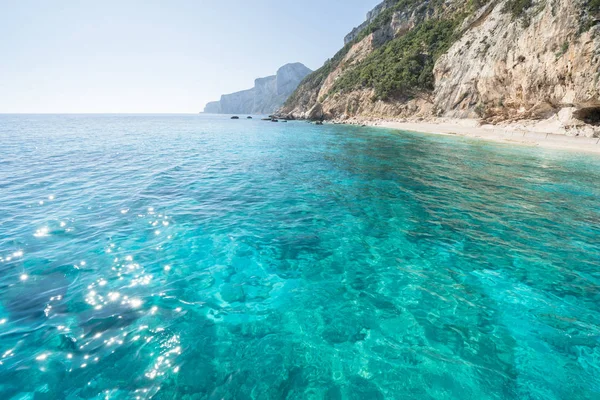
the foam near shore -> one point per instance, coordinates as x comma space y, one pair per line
525, 133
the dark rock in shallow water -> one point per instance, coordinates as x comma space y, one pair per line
110, 317
274, 120
36, 297
232, 293
316, 113
248, 117
235, 117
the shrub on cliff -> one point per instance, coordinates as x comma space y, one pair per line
517, 7
403, 66
313, 82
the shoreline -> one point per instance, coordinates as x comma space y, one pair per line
519, 134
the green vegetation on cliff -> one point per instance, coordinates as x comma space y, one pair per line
591, 16
403, 66
593, 6
385, 18
517, 7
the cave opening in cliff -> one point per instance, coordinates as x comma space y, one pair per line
589, 115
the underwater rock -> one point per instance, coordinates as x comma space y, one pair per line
111, 316
36, 297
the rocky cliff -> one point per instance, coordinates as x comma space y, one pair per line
371, 15
267, 95
499, 61
214, 107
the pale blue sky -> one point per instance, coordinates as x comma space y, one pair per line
79, 56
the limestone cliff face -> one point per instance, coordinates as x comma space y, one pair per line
213, 107
502, 64
239, 102
500, 69
371, 15
267, 95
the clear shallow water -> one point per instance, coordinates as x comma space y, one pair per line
195, 257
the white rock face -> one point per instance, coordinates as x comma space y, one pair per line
289, 77
238, 103
371, 15
267, 95
213, 107
506, 70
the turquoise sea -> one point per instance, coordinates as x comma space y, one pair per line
196, 257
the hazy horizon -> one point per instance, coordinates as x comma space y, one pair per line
154, 57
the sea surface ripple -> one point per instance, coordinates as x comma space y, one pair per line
196, 257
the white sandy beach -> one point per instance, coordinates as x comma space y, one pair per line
521, 134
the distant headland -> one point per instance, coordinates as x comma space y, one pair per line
267, 95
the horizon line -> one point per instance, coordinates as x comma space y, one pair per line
100, 113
